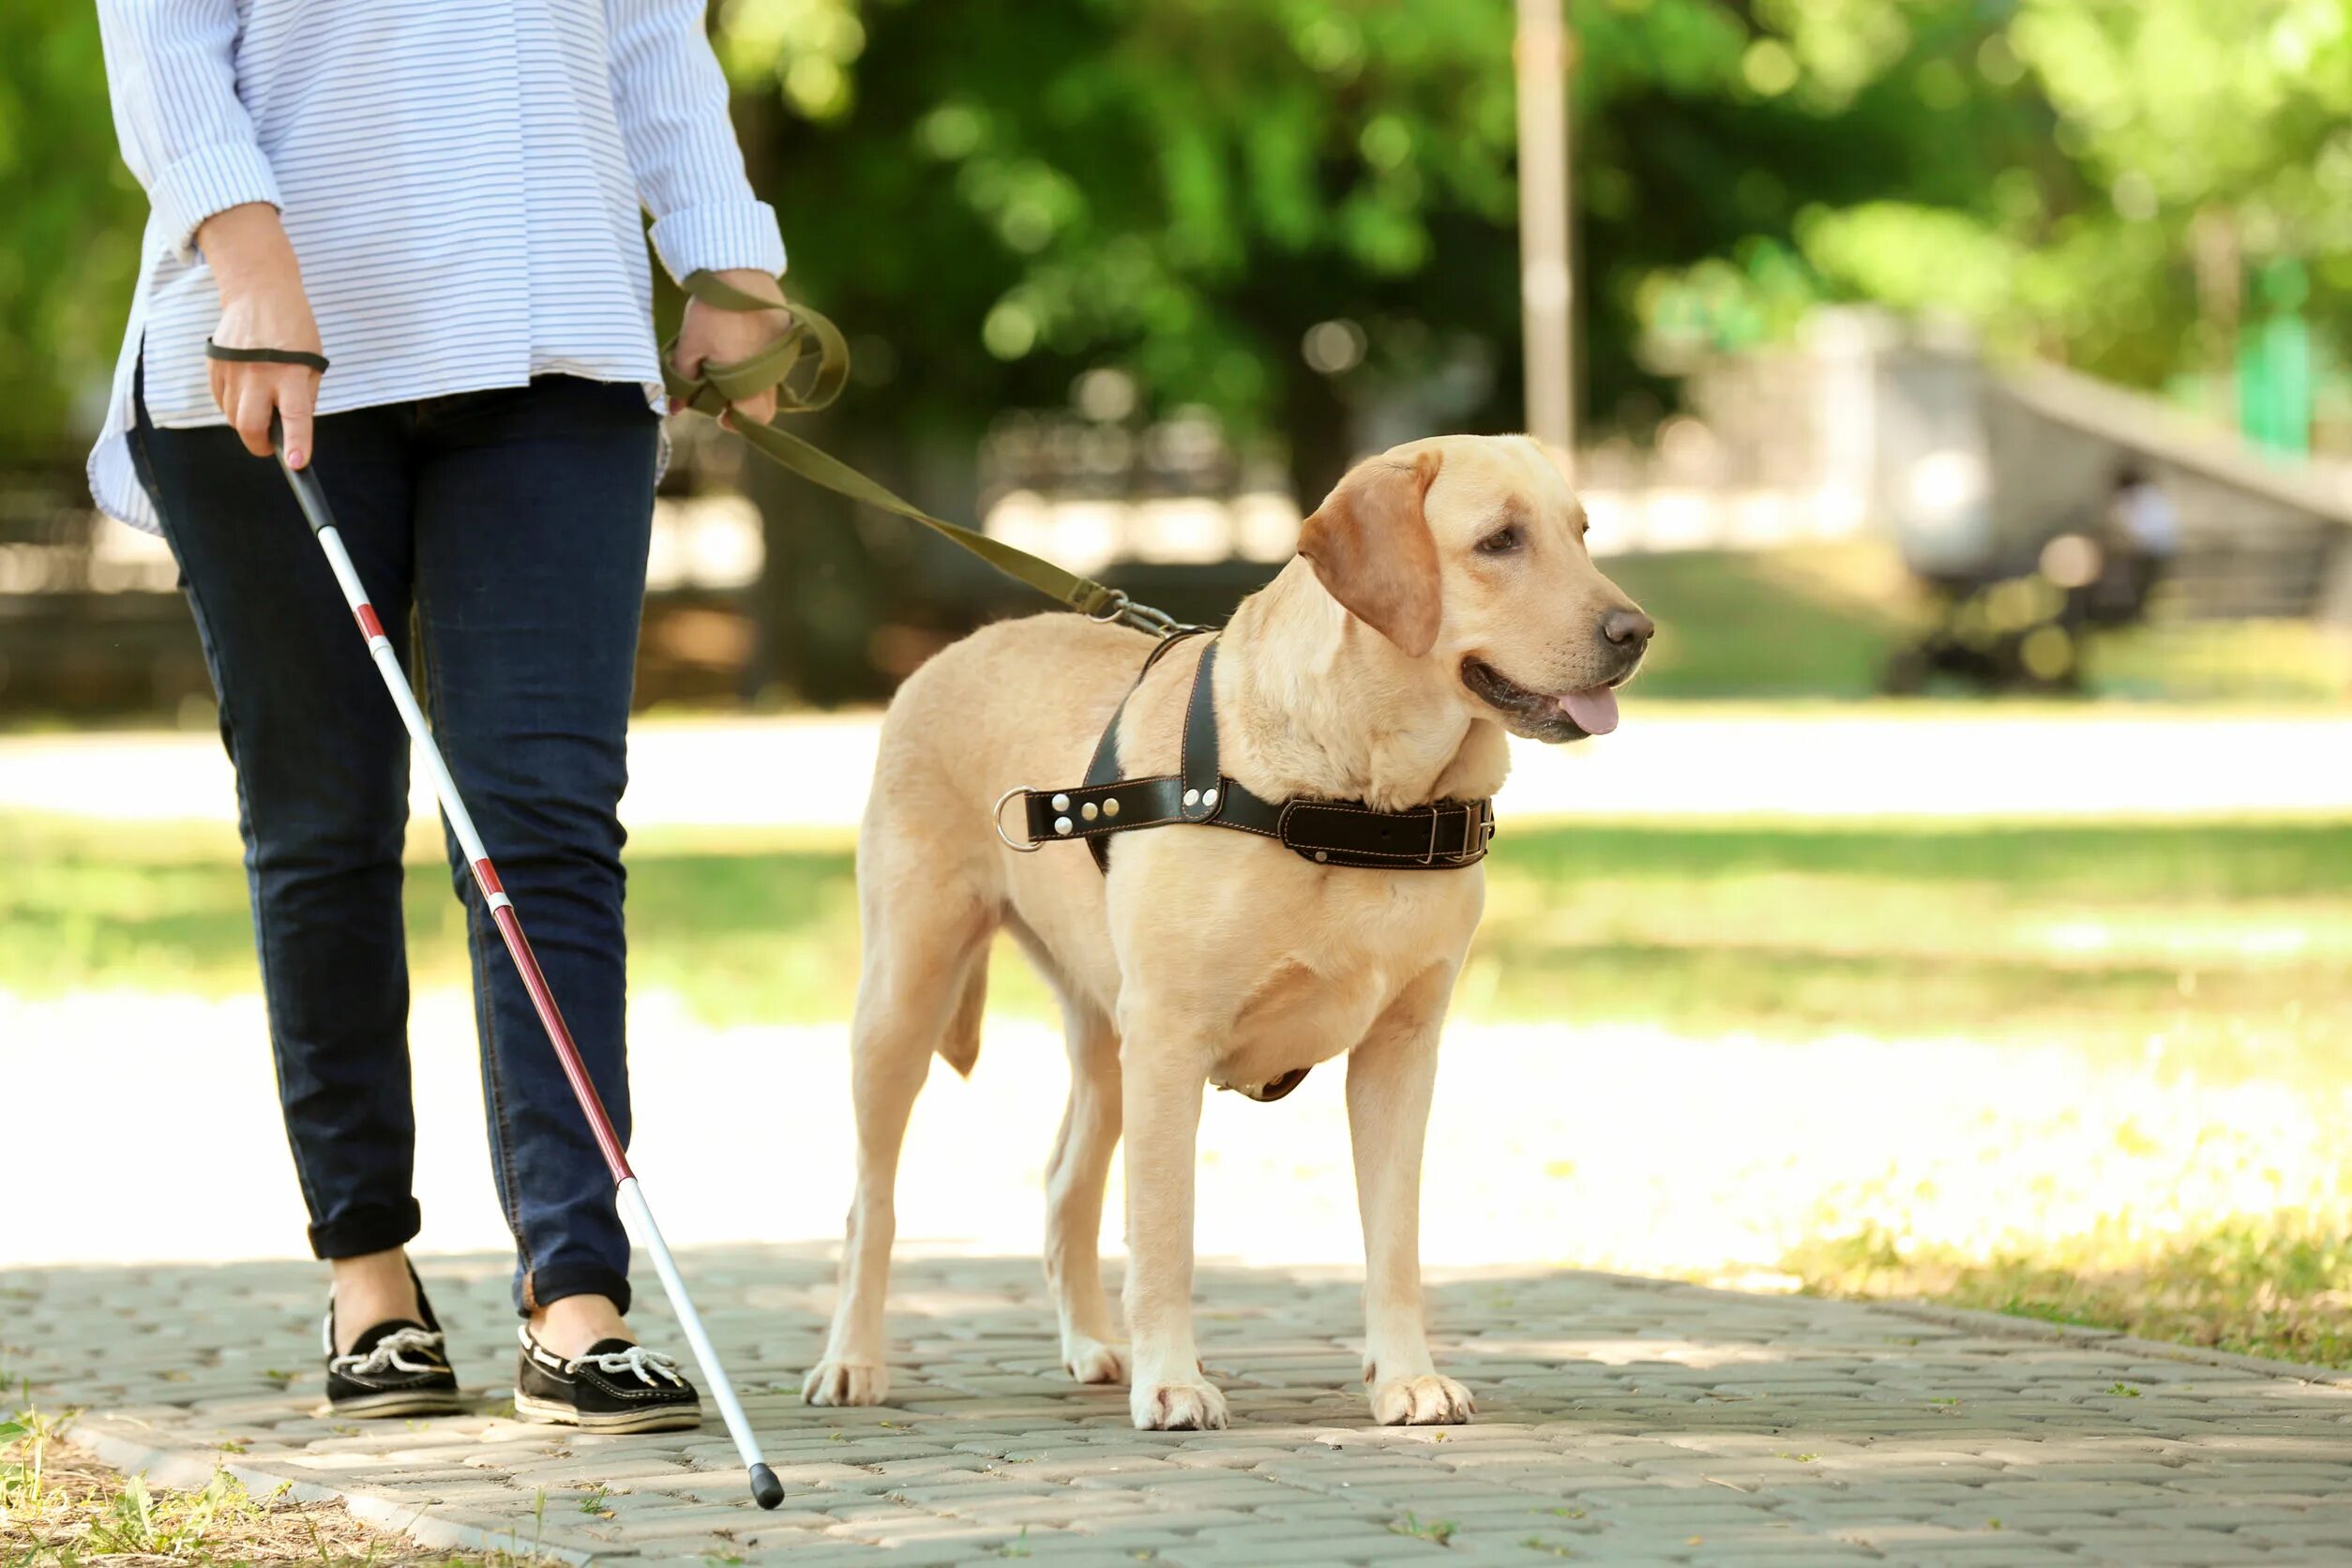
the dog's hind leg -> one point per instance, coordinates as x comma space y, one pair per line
1074, 1180
926, 949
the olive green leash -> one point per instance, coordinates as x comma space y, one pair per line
808, 367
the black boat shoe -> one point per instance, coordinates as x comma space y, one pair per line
394, 1368
616, 1387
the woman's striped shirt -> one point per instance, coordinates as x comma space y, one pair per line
461, 180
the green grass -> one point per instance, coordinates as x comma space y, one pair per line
2278, 1287
2230, 941
1763, 625
60, 1509
1820, 620
2219, 949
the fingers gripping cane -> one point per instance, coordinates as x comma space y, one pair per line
766, 1489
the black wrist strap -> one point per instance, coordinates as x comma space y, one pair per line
266, 357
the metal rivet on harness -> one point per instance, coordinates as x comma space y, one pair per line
1192, 797
1322, 854
1088, 811
1209, 797
1061, 803
1110, 809
1062, 824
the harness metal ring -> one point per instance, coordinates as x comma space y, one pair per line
997, 817
1113, 607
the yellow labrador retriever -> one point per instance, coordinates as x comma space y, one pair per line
1441, 596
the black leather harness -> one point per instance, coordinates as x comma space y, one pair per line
1444, 835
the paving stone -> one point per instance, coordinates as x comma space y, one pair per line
1624, 1421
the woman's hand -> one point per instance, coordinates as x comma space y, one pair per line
721, 336
261, 306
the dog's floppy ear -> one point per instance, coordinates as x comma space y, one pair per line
1371, 547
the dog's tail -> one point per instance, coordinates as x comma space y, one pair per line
960, 1044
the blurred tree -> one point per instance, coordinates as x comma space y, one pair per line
997, 197
1010, 194
69, 221
2166, 137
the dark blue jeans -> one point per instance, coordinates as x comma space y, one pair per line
514, 524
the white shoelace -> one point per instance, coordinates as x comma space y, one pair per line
389, 1355
636, 1361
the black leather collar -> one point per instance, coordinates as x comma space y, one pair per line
1440, 836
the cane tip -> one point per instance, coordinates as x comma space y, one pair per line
766, 1491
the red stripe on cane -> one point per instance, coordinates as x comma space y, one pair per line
367, 621
616, 1159
487, 874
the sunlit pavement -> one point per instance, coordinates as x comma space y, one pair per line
1613, 1146
1619, 1421
1879, 760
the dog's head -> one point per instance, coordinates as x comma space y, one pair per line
1469, 551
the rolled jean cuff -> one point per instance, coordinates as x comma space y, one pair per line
369, 1227
548, 1286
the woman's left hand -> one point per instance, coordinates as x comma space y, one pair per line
717, 335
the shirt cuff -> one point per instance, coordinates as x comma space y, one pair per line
206, 181
721, 237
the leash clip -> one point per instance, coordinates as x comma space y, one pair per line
1142, 617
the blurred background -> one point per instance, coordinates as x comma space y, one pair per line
1965, 387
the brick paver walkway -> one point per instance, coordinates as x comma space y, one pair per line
1620, 1421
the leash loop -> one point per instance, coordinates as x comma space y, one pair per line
266, 357
807, 367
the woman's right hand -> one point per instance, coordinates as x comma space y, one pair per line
261, 306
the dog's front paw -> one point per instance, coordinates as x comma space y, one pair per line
1090, 1361
846, 1382
1424, 1401
1177, 1408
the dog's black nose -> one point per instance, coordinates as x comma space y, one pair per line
1629, 628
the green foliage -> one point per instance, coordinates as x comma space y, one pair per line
69, 224
2080, 146
1184, 188
996, 196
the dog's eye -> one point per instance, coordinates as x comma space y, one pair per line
1503, 541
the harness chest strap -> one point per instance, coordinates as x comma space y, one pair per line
1440, 836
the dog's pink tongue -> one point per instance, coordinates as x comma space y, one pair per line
1594, 711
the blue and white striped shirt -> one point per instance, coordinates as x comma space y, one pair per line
461, 180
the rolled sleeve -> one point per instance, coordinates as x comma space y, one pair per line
719, 236
207, 181
670, 99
